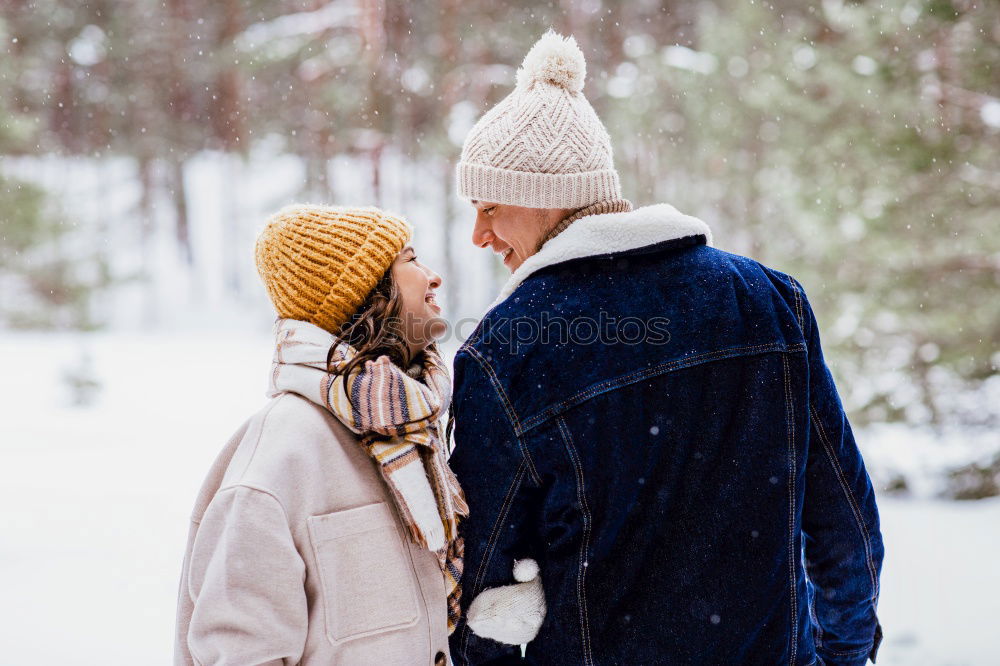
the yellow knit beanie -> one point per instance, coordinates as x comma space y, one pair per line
319, 263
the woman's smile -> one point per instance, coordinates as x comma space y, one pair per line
431, 300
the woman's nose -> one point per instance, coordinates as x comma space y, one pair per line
434, 279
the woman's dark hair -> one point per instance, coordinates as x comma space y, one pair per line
374, 330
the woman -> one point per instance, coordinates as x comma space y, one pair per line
326, 531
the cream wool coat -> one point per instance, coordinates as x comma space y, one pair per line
296, 555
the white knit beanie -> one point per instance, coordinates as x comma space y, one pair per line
543, 145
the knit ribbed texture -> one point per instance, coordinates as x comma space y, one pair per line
599, 208
319, 263
543, 145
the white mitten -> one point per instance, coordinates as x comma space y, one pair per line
510, 614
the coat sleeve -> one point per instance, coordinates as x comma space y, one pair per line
491, 466
840, 522
246, 583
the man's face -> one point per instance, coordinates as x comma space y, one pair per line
513, 232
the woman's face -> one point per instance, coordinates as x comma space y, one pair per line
422, 323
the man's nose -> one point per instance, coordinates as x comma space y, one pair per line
482, 233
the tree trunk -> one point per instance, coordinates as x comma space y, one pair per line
232, 243
178, 195
451, 290
146, 232
376, 163
229, 123
145, 210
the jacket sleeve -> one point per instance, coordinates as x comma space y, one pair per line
246, 583
492, 468
840, 522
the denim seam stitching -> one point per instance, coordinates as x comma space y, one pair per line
515, 484
511, 414
647, 373
581, 592
850, 653
798, 304
801, 319
828, 446
790, 432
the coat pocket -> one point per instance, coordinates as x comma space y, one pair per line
365, 572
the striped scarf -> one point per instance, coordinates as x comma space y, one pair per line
397, 415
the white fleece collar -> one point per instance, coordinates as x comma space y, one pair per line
608, 233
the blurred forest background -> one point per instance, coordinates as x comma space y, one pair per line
854, 144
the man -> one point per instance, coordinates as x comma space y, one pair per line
647, 417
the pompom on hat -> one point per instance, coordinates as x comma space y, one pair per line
543, 145
555, 60
319, 263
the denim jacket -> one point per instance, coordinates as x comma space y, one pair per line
651, 419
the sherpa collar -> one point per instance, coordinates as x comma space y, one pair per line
606, 234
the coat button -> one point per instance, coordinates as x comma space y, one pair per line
440, 659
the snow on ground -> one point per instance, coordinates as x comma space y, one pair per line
95, 504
